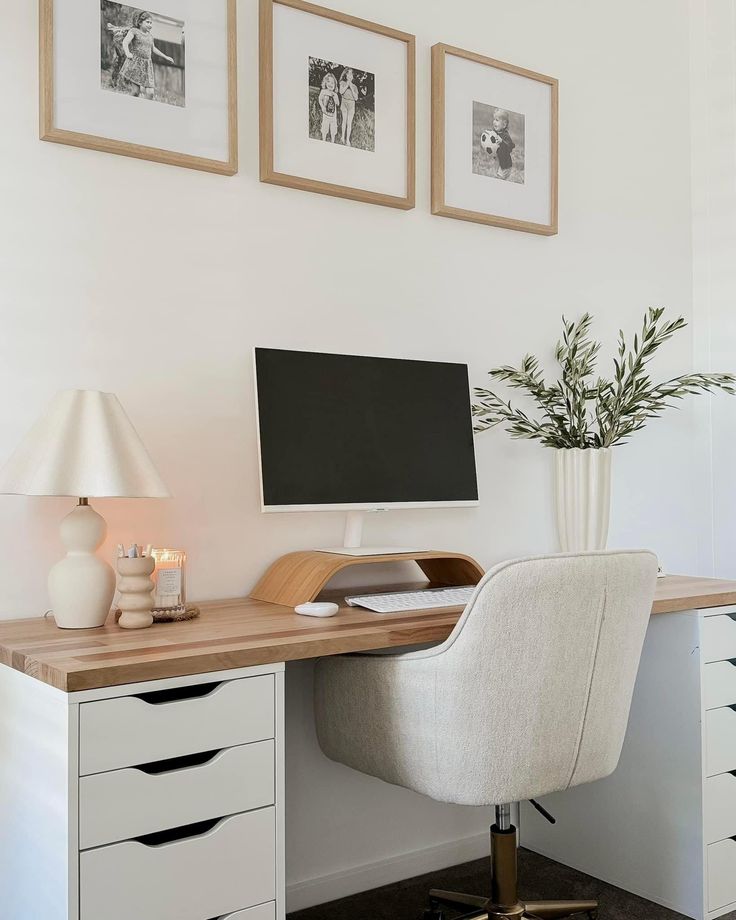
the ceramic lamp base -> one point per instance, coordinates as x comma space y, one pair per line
81, 585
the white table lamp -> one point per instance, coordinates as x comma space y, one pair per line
83, 446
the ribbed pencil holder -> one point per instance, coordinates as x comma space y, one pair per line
136, 592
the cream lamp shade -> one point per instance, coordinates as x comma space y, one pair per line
85, 446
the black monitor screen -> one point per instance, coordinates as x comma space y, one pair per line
339, 429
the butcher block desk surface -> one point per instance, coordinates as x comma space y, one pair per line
242, 632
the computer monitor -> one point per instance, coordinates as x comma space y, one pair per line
356, 433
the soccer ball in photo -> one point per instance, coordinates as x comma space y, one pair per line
490, 142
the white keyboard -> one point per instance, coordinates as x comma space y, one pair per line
413, 600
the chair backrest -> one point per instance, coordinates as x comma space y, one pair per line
537, 677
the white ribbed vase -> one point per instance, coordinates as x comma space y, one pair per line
582, 497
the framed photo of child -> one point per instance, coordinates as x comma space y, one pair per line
337, 104
494, 142
155, 83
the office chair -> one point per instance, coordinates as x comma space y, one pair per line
529, 695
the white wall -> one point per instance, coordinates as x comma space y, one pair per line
155, 283
713, 24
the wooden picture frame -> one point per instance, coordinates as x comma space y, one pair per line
49, 131
440, 205
268, 171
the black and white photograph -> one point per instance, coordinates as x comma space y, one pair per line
493, 120
119, 79
331, 84
142, 54
342, 102
498, 143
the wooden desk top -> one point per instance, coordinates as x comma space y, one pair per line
243, 632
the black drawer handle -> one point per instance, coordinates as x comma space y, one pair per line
226, 916
186, 832
175, 694
177, 763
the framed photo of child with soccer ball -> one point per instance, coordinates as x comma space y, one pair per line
494, 142
337, 104
156, 83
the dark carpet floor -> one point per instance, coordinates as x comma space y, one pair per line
539, 878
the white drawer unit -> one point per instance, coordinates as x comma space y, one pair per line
225, 867
719, 684
135, 801
662, 824
171, 722
721, 874
160, 800
261, 912
720, 807
719, 637
720, 740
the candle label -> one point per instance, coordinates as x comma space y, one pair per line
168, 581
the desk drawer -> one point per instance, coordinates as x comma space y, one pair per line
209, 875
262, 912
721, 874
131, 730
720, 740
720, 807
129, 803
719, 637
719, 684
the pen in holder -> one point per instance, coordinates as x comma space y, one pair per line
136, 592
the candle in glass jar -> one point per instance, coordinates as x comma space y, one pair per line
168, 577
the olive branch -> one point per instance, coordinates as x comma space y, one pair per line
583, 410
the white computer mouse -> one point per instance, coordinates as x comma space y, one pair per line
319, 609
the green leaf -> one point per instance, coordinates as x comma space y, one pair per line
581, 410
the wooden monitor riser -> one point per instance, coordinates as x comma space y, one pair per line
299, 578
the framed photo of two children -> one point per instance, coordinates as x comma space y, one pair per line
337, 104
157, 83
494, 142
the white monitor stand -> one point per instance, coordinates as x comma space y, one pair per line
353, 536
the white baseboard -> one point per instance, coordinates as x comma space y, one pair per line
384, 872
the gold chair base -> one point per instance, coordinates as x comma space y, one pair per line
482, 909
555, 910
504, 902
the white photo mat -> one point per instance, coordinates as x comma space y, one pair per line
298, 33
201, 128
297, 36
529, 204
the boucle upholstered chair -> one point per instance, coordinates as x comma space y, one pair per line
529, 695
